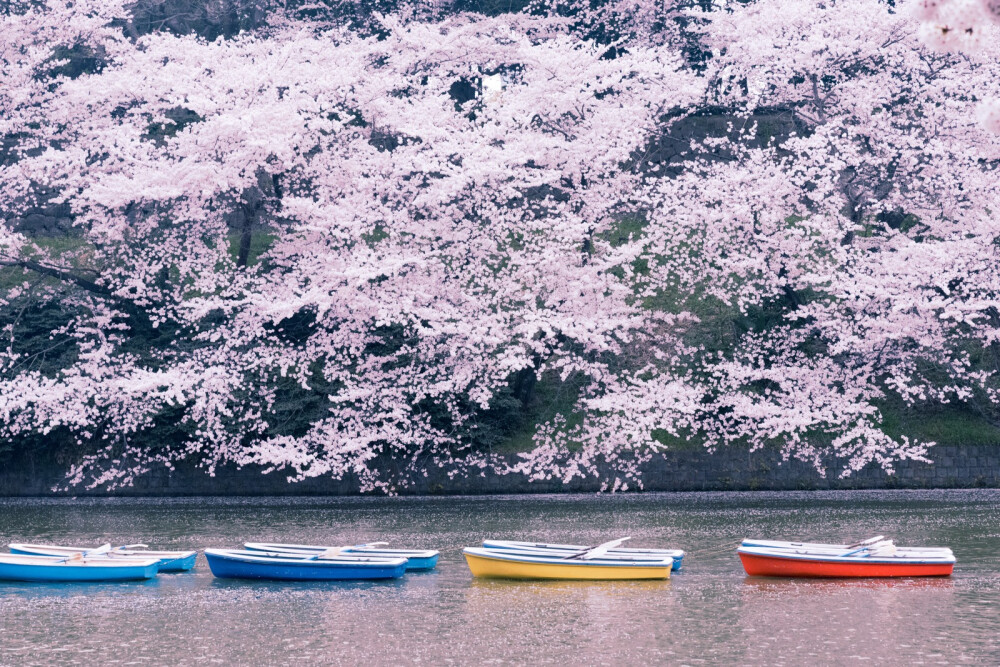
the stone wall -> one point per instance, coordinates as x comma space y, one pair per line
688, 470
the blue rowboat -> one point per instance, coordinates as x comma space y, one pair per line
168, 561
416, 559
236, 564
564, 550
18, 567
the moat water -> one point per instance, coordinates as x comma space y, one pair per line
708, 613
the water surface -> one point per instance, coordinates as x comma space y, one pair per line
708, 613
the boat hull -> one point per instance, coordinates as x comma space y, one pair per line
168, 561
228, 567
61, 572
413, 563
182, 564
770, 566
495, 567
676, 555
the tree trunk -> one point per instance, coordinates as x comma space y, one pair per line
250, 208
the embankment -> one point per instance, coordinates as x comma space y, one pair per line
954, 466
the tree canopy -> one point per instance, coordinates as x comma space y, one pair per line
322, 237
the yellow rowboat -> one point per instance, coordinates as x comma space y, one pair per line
497, 564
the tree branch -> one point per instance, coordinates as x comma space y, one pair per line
59, 274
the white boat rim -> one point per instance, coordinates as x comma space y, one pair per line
348, 550
87, 561
113, 552
822, 546
274, 558
528, 546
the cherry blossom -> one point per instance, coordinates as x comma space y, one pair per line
970, 26
387, 226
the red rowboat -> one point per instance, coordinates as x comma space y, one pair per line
766, 562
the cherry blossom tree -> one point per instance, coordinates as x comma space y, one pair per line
869, 234
969, 26
388, 227
956, 24
422, 245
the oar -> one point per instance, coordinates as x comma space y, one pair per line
867, 547
329, 553
80, 555
598, 551
338, 552
864, 543
120, 551
333, 552
882, 549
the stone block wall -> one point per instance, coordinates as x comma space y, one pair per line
688, 470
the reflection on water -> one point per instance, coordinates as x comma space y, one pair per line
560, 589
861, 619
84, 590
709, 612
782, 585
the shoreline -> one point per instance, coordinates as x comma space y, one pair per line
953, 467
295, 500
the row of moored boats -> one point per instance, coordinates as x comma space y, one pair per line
874, 557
